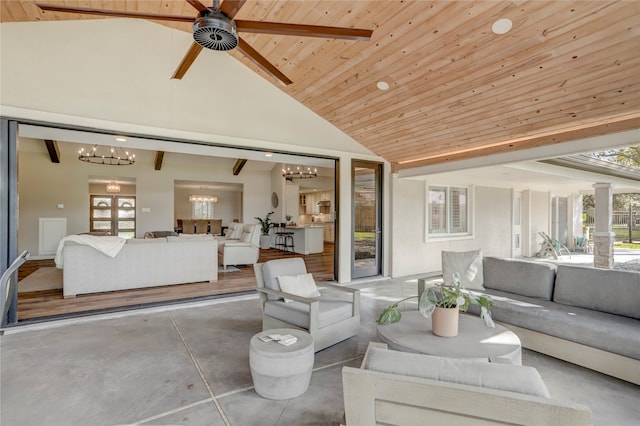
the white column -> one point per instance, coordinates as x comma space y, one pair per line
603, 238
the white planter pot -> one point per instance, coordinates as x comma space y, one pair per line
265, 241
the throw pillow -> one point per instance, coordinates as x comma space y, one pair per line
235, 231
301, 285
466, 263
246, 237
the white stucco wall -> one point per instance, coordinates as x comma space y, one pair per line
492, 227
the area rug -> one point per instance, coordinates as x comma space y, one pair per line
229, 269
46, 278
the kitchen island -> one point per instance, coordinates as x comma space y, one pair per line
307, 239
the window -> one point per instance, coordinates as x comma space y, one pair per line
448, 211
202, 209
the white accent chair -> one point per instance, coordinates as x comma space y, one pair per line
242, 251
401, 388
330, 318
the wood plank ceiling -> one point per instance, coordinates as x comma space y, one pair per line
566, 70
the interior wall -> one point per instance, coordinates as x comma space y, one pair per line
44, 185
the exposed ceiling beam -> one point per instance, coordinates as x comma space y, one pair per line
54, 152
159, 157
237, 167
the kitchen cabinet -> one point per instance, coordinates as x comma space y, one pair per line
329, 236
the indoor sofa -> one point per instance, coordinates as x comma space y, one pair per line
139, 263
586, 316
400, 388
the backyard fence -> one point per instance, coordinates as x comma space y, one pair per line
624, 223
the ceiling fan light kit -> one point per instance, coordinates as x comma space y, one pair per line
215, 30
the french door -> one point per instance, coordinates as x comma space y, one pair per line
114, 214
366, 182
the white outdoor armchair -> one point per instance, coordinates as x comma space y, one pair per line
330, 318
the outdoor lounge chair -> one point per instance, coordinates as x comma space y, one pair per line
330, 318
550, 246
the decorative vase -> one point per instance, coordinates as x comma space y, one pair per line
444, 322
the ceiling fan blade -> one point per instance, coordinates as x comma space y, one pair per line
262, 62
303, 30
114, 13
231, 7
186, 62
197, 5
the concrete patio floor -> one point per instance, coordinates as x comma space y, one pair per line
189, 365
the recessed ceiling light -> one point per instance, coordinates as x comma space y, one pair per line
382, 85
121, 139
502, 26
268, 155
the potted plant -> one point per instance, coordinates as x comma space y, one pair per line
265, 229
442, 301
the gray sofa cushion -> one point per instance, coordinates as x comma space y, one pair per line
512, 378
272, 269
533, 279
609, 332
611, 291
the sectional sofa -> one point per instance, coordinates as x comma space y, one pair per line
587, 316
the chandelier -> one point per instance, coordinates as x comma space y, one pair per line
107, 155
299, 173
203, 199
113, 187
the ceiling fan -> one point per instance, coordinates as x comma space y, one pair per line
215, 29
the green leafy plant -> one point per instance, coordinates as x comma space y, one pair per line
443, 296
266, 224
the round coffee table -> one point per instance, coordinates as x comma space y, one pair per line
474, 340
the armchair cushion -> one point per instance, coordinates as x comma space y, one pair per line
330, 311
300, 285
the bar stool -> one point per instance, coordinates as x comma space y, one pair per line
284, 238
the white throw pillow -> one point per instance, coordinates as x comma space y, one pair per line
246, 237
466, 263
234, 232
301, 285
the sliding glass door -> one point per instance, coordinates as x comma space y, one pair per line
366, 221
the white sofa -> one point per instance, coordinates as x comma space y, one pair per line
399, 388
140, 263
241, 245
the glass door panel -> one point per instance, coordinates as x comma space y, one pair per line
114, 214
366, 201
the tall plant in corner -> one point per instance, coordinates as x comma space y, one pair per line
266, 224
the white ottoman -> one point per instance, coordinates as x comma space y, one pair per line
278, 371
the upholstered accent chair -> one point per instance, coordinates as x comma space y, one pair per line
242, 251
330, 313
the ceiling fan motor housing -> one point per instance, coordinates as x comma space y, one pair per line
215, 30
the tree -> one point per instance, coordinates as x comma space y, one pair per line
629, 156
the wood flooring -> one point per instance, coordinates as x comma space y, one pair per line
48, 304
